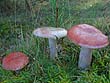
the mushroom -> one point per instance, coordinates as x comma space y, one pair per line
15, 61
88, 37
52, 34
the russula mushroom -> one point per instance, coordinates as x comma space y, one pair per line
52, 34
88, 37
15, 61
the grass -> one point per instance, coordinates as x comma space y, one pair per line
16, 35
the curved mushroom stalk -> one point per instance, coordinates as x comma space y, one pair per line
85, 58
52, 46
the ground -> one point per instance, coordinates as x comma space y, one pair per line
16, 29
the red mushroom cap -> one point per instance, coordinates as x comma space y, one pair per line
87, 36
15, 61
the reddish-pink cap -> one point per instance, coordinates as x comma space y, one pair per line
15, 61
87, 36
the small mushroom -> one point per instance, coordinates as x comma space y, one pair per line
15, 61
52, 34
88, 37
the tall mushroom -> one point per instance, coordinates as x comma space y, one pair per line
15, 61
52, 34
88, 37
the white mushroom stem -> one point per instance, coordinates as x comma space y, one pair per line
85, 58
53, 49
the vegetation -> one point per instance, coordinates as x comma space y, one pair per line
17, 23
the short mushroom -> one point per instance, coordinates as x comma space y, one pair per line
88, 37
52, 34
15, 61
